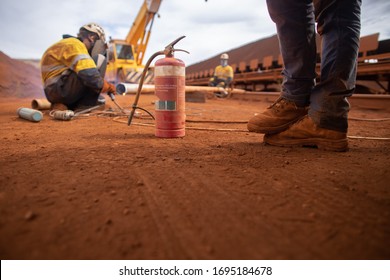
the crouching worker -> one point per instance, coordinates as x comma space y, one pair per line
223, 74
73, 70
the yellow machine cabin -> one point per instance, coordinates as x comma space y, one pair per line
125, 56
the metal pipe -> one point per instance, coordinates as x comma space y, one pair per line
126, 88
40, 104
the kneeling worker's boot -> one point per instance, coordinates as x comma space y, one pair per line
58, 107
276, 118
306, 133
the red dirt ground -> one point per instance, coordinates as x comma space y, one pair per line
94, 188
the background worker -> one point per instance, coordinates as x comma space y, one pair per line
307, 113
71, 78
223, 73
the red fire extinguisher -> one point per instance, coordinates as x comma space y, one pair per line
169, 82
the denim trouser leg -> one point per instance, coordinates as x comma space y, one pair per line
339, 26
295, 25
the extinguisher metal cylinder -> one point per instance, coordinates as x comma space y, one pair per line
169, 81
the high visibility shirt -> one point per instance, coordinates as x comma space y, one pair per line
67, 55
223, 72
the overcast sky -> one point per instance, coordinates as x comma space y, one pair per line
29, 27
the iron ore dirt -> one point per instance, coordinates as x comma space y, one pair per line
95, 188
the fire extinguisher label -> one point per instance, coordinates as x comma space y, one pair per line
167, 105
168, 70
170, 92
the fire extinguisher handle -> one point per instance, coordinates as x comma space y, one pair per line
169, 49
180, 50
171, 44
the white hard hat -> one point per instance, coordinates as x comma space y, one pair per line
95, 28
225, 56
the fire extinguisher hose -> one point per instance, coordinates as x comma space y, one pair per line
134, 107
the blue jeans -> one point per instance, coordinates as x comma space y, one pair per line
338, 23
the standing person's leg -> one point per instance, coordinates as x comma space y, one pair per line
326, 125
295, 25
339, 26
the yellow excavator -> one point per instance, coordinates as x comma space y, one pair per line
125, 56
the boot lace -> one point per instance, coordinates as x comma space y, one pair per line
280, 104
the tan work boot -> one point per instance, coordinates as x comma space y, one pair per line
306, 133
278, 117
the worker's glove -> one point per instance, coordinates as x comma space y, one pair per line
108, 88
